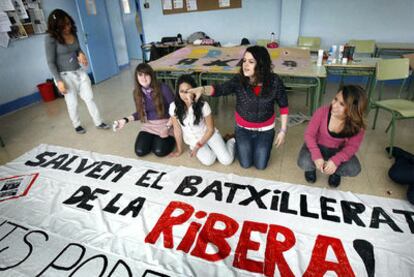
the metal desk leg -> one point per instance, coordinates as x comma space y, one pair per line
322, 91
370, 89
316, 96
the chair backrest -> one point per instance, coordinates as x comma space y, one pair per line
363, 46
262, 42
313, 43
392, 69
411, 58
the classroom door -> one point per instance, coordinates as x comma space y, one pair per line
133, 27
98, 38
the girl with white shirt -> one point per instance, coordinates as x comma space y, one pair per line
193, 123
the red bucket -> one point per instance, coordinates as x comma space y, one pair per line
46, 91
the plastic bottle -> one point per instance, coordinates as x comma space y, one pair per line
272, 43
340, 53
332, 54
320, 57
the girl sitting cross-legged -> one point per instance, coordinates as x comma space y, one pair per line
193, 123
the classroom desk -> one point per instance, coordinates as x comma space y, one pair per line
393, 49
359, 67
211, 64
167, 47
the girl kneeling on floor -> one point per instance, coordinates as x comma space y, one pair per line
333, 137
193, 122
152, 99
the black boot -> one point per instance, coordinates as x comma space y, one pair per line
334, 180
397, 152
310, 176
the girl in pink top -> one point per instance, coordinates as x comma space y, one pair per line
334, 135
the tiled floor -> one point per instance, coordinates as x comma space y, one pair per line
49, 123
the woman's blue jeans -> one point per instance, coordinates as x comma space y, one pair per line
253, 147
349, 168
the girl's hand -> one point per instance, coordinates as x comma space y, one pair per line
165, 131
61, 87
121, 124
191, 97
82, 59
329, 167
196, 93
319, 163
280, 139
194, 152
195, 149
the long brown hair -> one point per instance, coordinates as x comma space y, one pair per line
263, 70
56, 23
156, 93
356, 102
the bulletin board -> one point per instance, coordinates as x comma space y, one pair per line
185, 6
20, 19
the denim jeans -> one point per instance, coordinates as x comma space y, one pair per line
351, 168
253, 147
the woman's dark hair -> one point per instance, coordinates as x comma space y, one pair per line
356, 102
181, 108
156, 93
263, 69
56, 23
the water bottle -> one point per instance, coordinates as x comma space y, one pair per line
115, 126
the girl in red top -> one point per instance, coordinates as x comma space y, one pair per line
257, 90
333, 137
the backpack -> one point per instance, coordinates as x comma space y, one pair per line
195, 36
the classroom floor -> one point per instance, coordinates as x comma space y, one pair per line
48, 123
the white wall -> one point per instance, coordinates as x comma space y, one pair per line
336, 22
290, 22
255, 20
23, 63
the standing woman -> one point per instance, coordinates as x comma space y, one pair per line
257, 89
194, 123
152, 100
64, 57
333, 137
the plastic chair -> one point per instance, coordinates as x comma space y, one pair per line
393, 69
312, 43
363, 46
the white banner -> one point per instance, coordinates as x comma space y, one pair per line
67, 212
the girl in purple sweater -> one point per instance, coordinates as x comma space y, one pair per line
333, 137
152, 99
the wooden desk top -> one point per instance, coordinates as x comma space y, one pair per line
222, 60
357, 63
